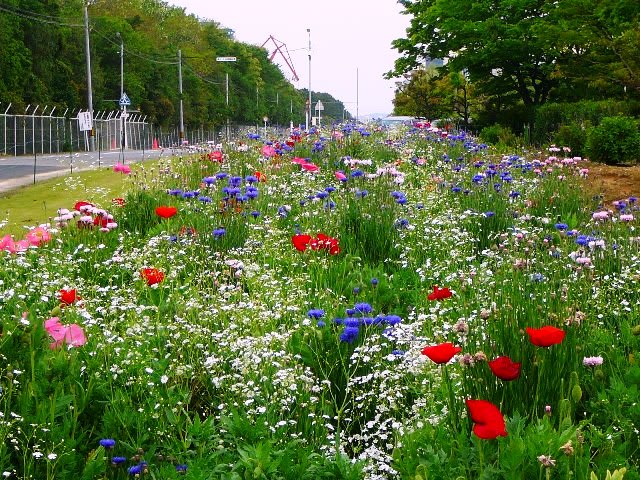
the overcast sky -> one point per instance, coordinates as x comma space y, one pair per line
350, 42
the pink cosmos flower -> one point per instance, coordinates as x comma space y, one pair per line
73, 335
37, 236
268, 151
121, 168
341, 176
310, 167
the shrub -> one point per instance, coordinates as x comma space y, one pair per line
498, 134
615, 141
573, 136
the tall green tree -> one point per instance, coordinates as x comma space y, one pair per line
503, 45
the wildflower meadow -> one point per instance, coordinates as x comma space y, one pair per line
352, 303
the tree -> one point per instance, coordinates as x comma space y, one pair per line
501, 44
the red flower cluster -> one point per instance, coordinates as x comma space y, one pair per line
489, 422
439, 293
546, 336
320, 242
68, 297
441, 353
166, 212
505, 369
152, 275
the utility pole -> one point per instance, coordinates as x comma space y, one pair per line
309, 121
180, 91
92, 143
357, 96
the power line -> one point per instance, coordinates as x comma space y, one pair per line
131, 52
38, 17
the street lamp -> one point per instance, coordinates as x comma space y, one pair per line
123, 107
308, 116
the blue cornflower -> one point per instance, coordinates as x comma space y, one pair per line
251, 179
402, 223
362, 308
356, 290
514, 194
330, 189
352, 322
392, 319
322, 195
330, 205
537, 277
221, 175
456, 189
338, 321
320, 324
191, 194
255, 214
489, 214
561, 226
253, 193
357, 173
219, 232
209, 180
374, 281
315, 313
118, 460
401, 200
282, 211
397, 353
135, 469
361, 193
477, 178
349, 334
181, 467
235, 181
205, 199
633, 199
175, 192
419, 205
108, 443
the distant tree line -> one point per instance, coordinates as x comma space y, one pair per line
525, 64
42, 61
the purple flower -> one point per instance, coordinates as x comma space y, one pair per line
108, 442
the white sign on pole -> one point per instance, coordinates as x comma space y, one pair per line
124, 100
85, 122
319, 105
226, 59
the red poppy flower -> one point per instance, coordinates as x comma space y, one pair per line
504, 368
81, 204
546, 336
152, 275
326, 242
69, 297
489, 422
101, 220
166, 212
118, 202
301, 242
260, 176
441, 353
439, 293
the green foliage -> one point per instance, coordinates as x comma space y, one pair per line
615, 141
498, 134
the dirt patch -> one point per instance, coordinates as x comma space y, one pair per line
614, 182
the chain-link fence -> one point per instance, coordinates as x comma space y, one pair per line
39, 133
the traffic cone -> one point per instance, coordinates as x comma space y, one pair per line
155, 144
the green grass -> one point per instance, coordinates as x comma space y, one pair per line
35, 204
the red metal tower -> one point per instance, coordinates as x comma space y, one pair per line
281, 47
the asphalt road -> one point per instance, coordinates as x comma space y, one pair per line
19, 171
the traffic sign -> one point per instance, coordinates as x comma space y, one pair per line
226, 59
319, 105
85, 122
124, 100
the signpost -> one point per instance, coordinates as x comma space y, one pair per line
124, 103
85, 122
319, 108
226, 81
